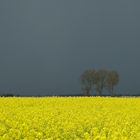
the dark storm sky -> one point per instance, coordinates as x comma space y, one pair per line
46, 44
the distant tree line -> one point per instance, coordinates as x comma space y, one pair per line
98, 80
7, 95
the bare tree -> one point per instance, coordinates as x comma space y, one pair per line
100, 80
88, 81
111, 81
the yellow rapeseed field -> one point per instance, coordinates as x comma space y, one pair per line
69, 118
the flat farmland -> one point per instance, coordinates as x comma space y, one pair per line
69, 118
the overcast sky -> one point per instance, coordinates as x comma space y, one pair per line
46, 44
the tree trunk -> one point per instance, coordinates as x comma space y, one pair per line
87, 92
112, 91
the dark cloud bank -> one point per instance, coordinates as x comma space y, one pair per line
46, 44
